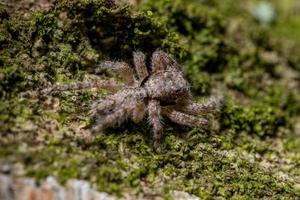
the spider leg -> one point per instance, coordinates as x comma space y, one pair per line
213, 104
101, 106
161, 61
106, 84
109, 120
138, 112
127, 72
140, 65
154, 117
186, 119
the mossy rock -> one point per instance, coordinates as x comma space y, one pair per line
252, 154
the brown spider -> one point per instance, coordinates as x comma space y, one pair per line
160, 92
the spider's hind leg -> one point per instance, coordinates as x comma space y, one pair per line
101, 106
116, 117
105, 84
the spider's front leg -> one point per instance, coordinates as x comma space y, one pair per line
213, 104
154, 111
126, 72
140, 65
161, 61
186, 119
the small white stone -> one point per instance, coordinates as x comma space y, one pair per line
179, 195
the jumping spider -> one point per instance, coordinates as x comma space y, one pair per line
160, 92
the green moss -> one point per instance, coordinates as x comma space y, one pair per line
201, 32
220, 55
259, 119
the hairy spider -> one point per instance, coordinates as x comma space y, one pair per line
160, 92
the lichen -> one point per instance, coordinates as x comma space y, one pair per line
253, 152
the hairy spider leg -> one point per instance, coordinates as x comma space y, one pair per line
161, 61
138, 112
108, 103
105, 84
126, 72
155, 119
185, 119
116, 117
213, 104
101, 106
129, 99
140, 65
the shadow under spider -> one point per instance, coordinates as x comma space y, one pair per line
144, 129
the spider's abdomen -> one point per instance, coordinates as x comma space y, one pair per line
167, 86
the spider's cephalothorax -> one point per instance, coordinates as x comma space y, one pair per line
161, 91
